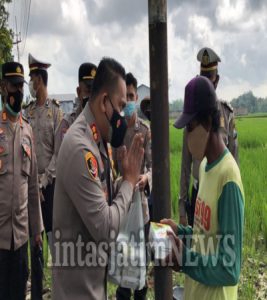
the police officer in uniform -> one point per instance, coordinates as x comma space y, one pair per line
86, 76
44, 115
136, 125
84, 203
209, 68
19, 190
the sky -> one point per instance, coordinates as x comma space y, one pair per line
67, 33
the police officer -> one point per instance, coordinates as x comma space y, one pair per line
44, 115
19, 191
86, 75
136, 125
84, 203
209, 68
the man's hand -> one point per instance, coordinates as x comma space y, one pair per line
143, 179
183, 220
171, 223
38, 240
174, 260
132, 160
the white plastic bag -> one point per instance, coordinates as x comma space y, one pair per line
127, 260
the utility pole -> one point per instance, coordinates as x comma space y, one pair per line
18, 39
158, 52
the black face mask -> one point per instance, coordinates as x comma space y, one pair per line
14, 108
118, 127
84, 101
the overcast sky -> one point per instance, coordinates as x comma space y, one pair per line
67, 33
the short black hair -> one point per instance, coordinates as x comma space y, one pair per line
130, 79
214, 114
43, 74
107, 75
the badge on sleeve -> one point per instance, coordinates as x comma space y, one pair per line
27, 150
91, 164
2, 150
63, 132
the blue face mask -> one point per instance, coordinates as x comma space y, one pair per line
129, 109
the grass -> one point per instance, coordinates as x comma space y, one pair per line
252, 137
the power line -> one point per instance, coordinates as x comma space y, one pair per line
18, 39
27, 26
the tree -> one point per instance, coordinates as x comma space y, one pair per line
250, 102
6, 34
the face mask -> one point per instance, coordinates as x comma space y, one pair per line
13, 103
32, 90
84, 101
129, 109
118, 126
197, 141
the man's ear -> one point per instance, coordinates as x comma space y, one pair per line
102, 102
136, 97
78, 91
3, 88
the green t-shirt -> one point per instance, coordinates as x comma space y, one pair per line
213, 261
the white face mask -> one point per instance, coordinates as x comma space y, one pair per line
32, 90
197, 141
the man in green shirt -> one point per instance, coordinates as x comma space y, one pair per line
211, 255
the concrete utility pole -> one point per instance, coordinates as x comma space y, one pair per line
158, 52
18, 39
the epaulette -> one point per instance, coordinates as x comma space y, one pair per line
144, 124
56, 102
227, 105
24, 106
25, 119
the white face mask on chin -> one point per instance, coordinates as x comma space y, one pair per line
32, 90
197, 141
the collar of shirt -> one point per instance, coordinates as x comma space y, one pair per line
95, 134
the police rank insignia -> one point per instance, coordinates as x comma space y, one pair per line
91, 164
94, 131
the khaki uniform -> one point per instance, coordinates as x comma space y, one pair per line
188, 164
19, 191
81, 208
44, 121
64, 125
146, 168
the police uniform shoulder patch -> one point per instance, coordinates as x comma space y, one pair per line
56, 102
91, 164
25, 119
227, 105
144, 124
28, 105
